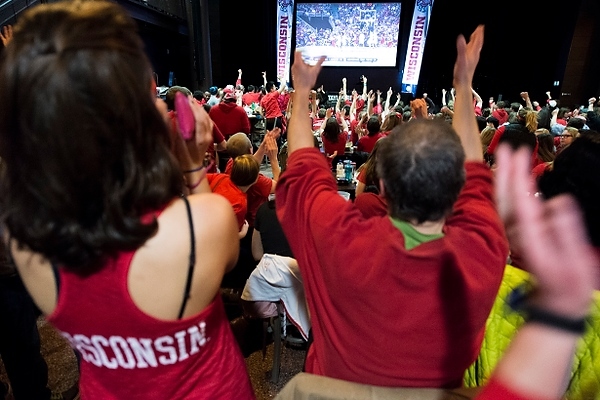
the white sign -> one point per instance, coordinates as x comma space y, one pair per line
416, 44
285, 19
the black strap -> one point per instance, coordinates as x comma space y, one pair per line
56, 277
188, 283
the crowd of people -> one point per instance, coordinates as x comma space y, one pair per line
123, 233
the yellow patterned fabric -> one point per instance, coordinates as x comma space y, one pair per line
503, 323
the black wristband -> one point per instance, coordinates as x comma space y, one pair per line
517, 300
545, 317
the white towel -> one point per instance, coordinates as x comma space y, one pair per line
277, 278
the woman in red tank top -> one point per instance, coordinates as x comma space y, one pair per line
123, 258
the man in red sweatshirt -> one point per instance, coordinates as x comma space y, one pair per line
425, 276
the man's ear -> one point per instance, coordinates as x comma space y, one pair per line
381, 188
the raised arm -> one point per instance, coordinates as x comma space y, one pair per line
340, 101
304, 78
238, 82
525, 97
282, 84
365, 92
370, 101
386, 103
259, 154
463, 120
353, 106
478, 99
191, 153
537, 363
272, 150
6, 34
313, 103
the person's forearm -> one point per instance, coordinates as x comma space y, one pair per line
299, 129
275, 168
464, 123
260, 152
538, 361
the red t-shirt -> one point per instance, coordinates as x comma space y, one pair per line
366, 143
221, 184
436, 296
250, 97
256, 195
339, 146
283, 101
270, 105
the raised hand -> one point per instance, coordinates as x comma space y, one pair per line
271, 148
305, 75
191, 153
274, 133
550, 235
6, 34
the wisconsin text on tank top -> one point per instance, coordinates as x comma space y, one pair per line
139, 352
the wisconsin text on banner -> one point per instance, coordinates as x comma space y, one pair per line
285, 20
416, 45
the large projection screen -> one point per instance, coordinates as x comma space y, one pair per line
349, 34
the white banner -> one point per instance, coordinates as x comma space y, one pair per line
416, 45
285, 20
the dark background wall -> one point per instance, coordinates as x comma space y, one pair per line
529, 45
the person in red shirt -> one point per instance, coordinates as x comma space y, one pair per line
251, 96
235, 184
101, 222
427, 273
228, 116
367, 142
270, 106
239, 145
334, 135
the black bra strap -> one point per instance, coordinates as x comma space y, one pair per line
56, 277
188, 283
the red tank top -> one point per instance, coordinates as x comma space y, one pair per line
127, 354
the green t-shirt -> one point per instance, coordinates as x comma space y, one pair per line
412, 237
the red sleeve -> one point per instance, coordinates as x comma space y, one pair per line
495, 390
495, 140
240, 208
362, 176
